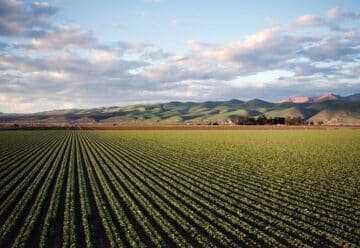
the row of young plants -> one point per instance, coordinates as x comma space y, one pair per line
24, 168
330, 225
35, 218
50, 224
213, 199
293, 189
138, 217
24, 203
349, 233
18, 142
339, 225
248, 158
138, 189
123, 177
204, 213
13, 191
19, 159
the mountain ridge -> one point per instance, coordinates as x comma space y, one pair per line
326, 97
327, 109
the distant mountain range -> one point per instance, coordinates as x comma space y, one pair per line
329, 109
326, 97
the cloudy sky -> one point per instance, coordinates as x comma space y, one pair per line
79, 54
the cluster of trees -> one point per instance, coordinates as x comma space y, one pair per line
263, 120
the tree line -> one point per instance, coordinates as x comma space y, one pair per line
263, 120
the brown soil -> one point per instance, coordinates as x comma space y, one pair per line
181, 127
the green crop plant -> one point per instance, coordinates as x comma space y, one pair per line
193, 188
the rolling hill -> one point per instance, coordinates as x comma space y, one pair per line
327, 109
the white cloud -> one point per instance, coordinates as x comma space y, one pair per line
309, 20
66, 65
197, 46
19, 19
340, 14
65, 37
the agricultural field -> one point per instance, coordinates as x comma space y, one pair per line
209, 188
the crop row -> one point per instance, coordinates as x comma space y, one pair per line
143, 189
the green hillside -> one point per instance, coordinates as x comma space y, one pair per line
335, 111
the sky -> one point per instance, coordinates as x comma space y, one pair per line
83, 54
